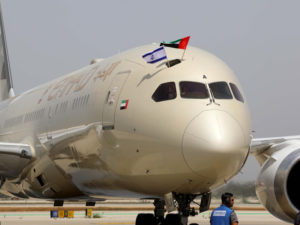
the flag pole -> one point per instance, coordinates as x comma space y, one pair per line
167, 58
183, 54
168, 62
186, 42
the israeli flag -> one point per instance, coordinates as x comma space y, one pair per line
155, 56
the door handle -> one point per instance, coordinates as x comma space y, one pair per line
107, 97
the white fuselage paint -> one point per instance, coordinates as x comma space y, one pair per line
180, 145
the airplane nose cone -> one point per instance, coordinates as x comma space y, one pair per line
214, 145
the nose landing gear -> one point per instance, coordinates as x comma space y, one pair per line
184, 211
153, 219
159, 211
184, 207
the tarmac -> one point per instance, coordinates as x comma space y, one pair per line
123, 217
114, 213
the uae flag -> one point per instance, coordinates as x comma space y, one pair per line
124, 104
180, 43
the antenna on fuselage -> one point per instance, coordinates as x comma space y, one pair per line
6, 83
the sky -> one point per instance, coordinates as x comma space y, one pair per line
258, 39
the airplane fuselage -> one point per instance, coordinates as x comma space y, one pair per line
102, 130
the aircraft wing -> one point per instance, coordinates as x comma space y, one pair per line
259, 146
50, 139
14, 157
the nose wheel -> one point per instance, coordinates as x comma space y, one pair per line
184, 207
153, 219
145, 219
184, 211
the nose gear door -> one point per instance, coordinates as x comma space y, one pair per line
112, 100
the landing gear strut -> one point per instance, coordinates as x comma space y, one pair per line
184, 207
184, 210
159, 211
153, 219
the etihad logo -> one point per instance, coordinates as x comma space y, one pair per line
76, 82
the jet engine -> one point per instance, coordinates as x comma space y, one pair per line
278, 186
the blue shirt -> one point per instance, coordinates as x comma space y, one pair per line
221, 216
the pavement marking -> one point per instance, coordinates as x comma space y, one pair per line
115, 223
6, 215
112, 214
119, 214
254, 213
75, 214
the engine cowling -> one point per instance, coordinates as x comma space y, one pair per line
278, 186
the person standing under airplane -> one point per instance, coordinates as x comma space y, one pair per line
224, 215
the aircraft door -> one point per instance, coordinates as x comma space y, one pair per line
112, 99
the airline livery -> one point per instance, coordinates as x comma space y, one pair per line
167, 123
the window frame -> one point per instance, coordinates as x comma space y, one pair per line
196, 82
173, 82
212, 93
239, 92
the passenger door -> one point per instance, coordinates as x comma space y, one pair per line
112, 99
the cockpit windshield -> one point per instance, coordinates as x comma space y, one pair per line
220, 90
197, 90
165, 91
236, 92
190, 89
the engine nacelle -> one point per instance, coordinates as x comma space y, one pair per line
278, 186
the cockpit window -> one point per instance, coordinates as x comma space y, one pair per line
236, 92
220, 90
193, 90
166, 91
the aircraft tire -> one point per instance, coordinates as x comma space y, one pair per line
173, 219
145, 219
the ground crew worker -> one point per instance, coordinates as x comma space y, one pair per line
224, 215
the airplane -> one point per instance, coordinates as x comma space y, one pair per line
121, 127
